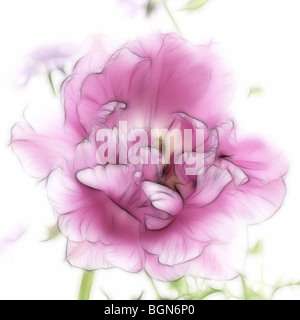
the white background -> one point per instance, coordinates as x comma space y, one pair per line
261, 40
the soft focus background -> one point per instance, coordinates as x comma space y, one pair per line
260, 40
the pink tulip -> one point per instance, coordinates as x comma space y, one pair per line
153, 216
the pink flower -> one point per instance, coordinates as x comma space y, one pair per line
152, 216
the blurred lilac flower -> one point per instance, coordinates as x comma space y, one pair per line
134, 6
10, 238
46, 59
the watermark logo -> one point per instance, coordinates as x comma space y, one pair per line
155, 146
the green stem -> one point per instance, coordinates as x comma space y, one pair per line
154, 287
171, 16
262, 273
51, 82
86, 285
284, 286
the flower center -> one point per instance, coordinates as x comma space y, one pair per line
169, 177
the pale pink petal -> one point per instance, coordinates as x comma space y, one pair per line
84, 214
41, 152
223, 260
220, 261
114, 180
210, 185
124, 252
85, 155
238, 176
88, 256
163, 198
172, 245
208, 224
124, 80
254, 155
144, 78
93, 256
255, 201
262, 193
71, 94
198, 84
158, 271
95, 53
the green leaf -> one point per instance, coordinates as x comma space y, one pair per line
257, 248
140, 296
248, 293
282, 286
151, 5
254, 91
204, 294
193, 5
180, 286
106, 295
53, 233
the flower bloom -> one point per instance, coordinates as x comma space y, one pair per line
11, 237
134, 6
46, 59
148, 216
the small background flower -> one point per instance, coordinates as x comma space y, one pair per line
46, 59
138, 6
10, 237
